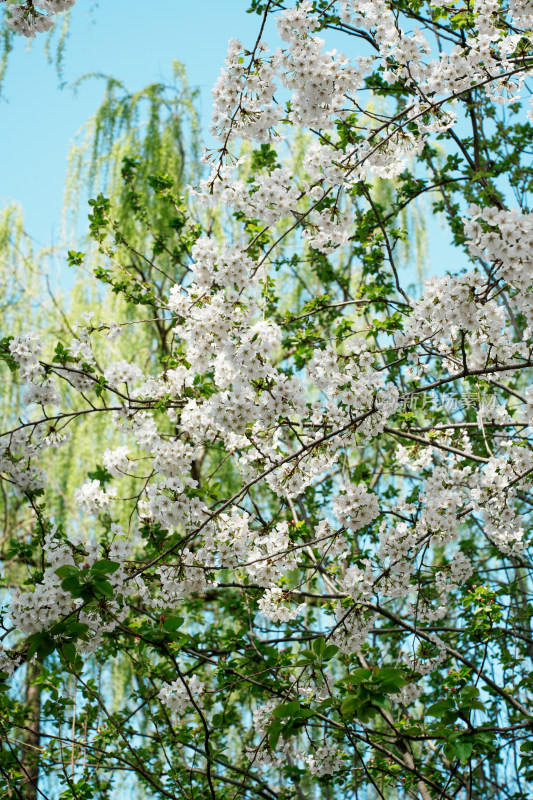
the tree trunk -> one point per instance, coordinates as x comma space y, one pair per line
32, 739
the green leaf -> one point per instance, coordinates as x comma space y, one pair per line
359, 675
461, 749
392, 675
41, 644
71, 585
330, 651
319, 647
75, 258
102, 587
274, 733
77, 629
439, 709
66, 571
469, 692
307, 655
349, 704
366, 711
69, 652
34, 641
382, 701
58, 629
172, 623
286, 709
100, 474
105, 566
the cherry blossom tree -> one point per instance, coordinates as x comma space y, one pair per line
321, 581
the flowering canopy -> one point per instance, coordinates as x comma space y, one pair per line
322, 581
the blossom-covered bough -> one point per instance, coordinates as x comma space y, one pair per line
322, 583
30, 17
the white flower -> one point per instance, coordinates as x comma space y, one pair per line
272, 605
179, 695
91, 498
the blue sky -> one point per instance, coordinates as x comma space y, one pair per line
136, 43
132, 40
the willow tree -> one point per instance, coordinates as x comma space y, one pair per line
131, 141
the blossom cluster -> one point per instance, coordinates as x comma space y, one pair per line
182, 694
29, 17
